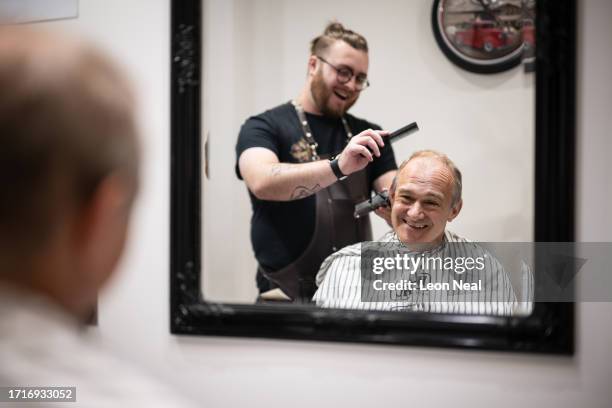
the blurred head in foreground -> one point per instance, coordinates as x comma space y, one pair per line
425, 195
68, 166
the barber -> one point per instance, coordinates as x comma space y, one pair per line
302, 196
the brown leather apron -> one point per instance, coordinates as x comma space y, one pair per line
335, 228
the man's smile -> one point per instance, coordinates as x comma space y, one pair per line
341, 94
419, 226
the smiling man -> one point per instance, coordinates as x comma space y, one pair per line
307, 162
425, 196
427, 267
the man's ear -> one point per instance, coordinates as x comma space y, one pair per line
313, 62
108, 198
455, 210
102, 228
392, 190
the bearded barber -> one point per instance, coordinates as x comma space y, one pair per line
302, 196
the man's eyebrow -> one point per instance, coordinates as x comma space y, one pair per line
433, 194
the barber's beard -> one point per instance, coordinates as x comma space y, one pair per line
321, 94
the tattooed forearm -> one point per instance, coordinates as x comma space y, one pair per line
276, 169
281, 168
303, 192
290, 181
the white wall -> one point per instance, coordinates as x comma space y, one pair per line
261, 373
255, 56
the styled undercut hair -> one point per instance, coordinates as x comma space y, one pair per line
334, 32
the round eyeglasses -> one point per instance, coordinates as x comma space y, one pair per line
345, 74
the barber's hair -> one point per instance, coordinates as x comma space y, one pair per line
66, 123
457, 179
334, 32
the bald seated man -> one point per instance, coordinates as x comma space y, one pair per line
425, 197
69, 174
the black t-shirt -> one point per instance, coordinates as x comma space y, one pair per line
281, 230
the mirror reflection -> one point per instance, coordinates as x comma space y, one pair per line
292, 104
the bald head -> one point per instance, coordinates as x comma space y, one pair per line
66, 122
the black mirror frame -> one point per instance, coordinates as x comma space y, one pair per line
549, 329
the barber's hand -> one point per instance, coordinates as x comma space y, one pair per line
384, 213
361, 150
